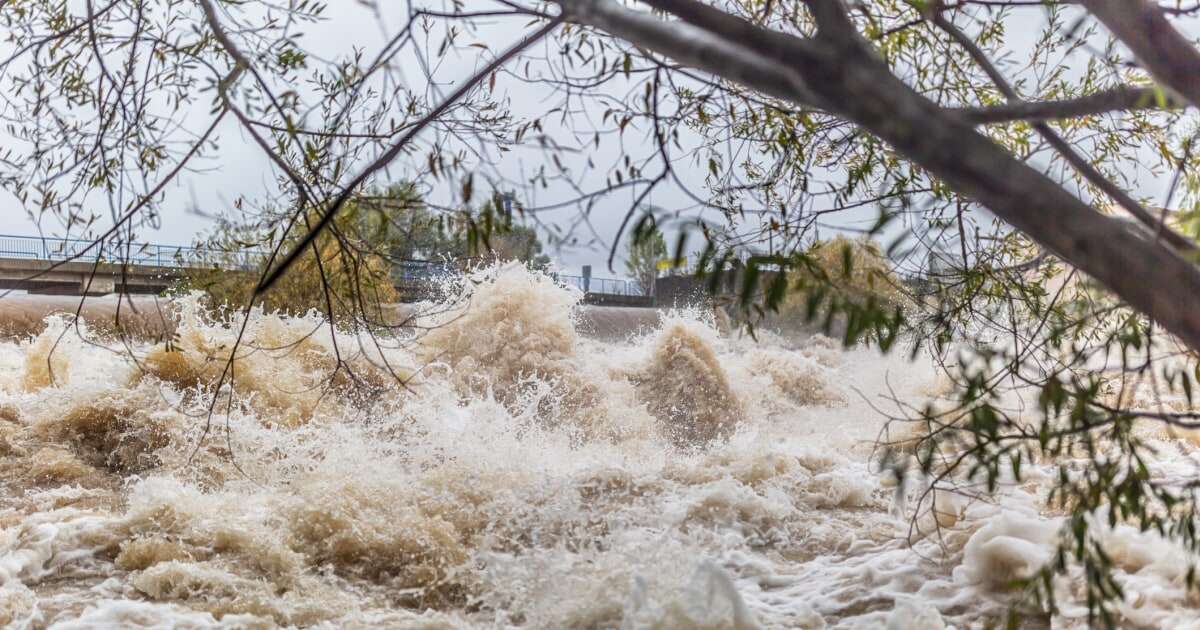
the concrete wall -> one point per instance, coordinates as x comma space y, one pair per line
77, 278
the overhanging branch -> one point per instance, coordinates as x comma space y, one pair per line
1164, 51
847, 78
755, 63
1121, 99
1077, 161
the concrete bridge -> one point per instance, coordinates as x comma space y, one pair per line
66, 266
63, 266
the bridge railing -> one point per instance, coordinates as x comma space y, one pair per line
421, 270
418, 270
607, 286
82, 250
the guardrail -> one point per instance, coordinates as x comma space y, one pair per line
82, 250
418, 270
607, 286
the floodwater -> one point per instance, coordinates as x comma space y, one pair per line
23, 315
523, 475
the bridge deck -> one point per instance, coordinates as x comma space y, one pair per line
75, 266
68, 266
78, 278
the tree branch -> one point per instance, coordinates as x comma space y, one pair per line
1119, 99
1161, 49
1081, 165
386, 158
844, 73
755, 63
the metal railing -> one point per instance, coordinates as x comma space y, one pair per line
421, 270
607, 286
153, 254
82, 250
416, 270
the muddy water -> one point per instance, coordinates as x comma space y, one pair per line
522, 475
23, 315
149, 317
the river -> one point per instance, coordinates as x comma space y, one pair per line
520, 464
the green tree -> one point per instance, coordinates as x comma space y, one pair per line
646, 248
495, 233
403, 225
359, 256
519, 242
341, 275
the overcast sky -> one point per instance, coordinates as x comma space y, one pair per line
239, 169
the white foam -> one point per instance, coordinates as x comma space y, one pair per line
529, 478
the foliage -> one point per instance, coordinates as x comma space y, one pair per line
413, 231
359, 256
836, 277
342, 276
491, 233
646, 249
844, 287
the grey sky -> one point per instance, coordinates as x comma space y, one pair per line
239, 169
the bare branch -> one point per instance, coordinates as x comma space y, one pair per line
1116, 100
854, 83
1164, 51
742, 59
386, 158
1064, 149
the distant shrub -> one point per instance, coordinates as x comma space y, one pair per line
838, 284
351, 276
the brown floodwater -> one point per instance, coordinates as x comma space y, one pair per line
24, 315
150, 317
525, 463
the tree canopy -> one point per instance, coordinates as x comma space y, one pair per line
646, 249
350, 270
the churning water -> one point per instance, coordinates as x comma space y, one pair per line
526, 475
